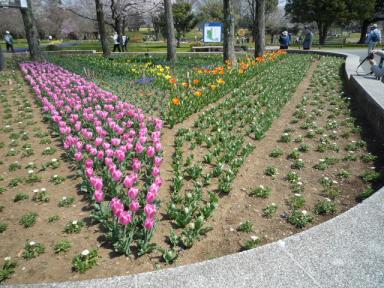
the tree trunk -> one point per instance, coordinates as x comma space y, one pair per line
2, 64
31, 32
171, 42
260, 36
229, 32
364, 31
102, 31
323, 31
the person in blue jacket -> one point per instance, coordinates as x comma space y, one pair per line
373, 37
308, 38
284, 40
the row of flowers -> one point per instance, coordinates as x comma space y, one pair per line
116, 146
204, 85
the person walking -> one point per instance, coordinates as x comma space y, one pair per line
284, 40
9, 41
308, 38
373, 37
116, 43
125, 43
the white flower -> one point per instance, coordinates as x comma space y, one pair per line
53, 160
321, 160
31, 243
43, 189
30, 171
74, 222
327, 199
64, 198
261, 186
254, 238
8, 258
85, 252
35, 190
299, 183
334, 182
304, 212
297, 195
55, 176
273, 204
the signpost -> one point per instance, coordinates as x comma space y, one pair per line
13, 4
213, 32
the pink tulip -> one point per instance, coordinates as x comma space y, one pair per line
136, 165
151, 151
139, 148
134, 206
78, 156
88, 163
116, 175
133, 192
128, 181
99, 196
158, 161
155, 171
151, 197
150, 210
158, 146
89, 172
125, 217
149, 223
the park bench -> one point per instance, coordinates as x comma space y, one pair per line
217, 48
207, 48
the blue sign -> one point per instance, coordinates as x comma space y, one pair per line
213, 32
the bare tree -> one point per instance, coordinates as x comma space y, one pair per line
229, 31
101, 26
260, 35
171, 41
250, 10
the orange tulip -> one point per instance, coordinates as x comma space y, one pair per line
198, 93
196, 81
173, 80
176, 101
220, 81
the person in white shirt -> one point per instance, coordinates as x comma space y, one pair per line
116, 42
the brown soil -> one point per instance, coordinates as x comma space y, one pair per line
233, 209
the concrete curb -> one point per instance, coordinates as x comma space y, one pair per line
345, 251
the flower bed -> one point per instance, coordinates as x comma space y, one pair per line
173, 93
117, 147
